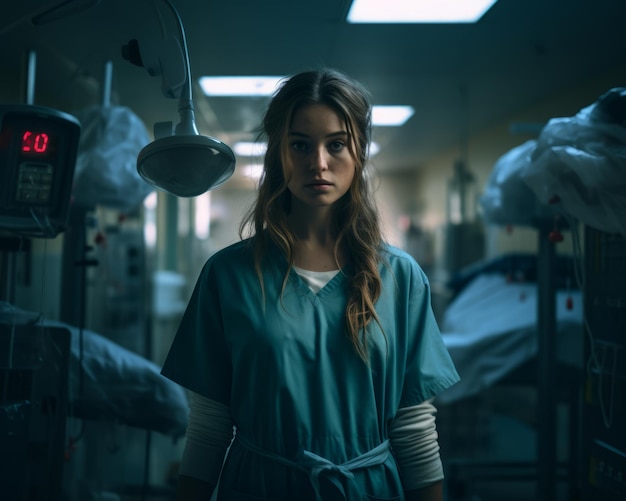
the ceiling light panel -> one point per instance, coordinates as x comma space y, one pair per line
418, 11
250, 148
391, 116
239, 86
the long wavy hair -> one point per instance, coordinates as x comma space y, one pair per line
356, 226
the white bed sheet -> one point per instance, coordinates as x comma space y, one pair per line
491, 328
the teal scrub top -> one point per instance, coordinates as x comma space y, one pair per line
302, 400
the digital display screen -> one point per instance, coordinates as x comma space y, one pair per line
35, 143
38, 151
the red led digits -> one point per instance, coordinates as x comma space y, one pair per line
34, 142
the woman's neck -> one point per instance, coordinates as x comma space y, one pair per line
309, 255
314, 244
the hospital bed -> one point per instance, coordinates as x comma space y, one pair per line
490, 325
55, 376
571, 176
491, 329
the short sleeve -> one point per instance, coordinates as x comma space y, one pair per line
429, 368
199, 358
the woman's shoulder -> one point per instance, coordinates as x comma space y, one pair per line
242, 254
236, 249
238, 253
401, 262
397, 256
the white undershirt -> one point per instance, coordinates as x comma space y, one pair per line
316, 280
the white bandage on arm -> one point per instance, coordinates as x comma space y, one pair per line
414, 441
209, 433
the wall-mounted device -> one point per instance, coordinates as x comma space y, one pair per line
38, 149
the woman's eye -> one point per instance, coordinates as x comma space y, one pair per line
299, 146
336, 145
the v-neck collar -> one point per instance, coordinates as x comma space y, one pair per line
325, 291
301, 286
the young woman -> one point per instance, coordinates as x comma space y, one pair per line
312, 337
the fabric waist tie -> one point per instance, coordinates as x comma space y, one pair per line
313, 465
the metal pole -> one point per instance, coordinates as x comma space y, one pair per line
31, 77
106, 85
546, 353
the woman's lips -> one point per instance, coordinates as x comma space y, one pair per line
319, 185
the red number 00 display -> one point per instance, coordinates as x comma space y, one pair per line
34, 142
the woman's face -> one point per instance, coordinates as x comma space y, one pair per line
323, 167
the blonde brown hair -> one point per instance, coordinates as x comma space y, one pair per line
356, 225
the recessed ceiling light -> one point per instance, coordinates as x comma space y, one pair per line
239, 86
414, 11
391, 115
250, 148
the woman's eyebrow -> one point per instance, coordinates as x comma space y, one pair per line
341, 133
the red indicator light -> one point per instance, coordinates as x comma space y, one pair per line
34, 142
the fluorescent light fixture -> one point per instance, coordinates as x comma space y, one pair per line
202, 216
391, 115
252, 171
250, 149
418, 11
239, 86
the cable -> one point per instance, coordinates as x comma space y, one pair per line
83, 263
593, 362
12, 280
47, 230
183, 38
607, 416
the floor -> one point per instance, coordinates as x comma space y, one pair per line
491, 457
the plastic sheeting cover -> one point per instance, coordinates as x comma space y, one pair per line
576, 167
507, 198
106, 166
581, 160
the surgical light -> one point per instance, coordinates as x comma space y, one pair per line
180, 160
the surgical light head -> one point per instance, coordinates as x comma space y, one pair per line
180, 160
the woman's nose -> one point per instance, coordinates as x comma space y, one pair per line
319, 160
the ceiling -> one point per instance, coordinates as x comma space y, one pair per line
459, 78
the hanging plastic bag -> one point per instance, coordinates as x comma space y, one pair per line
106, 166
580, 162
507, 198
